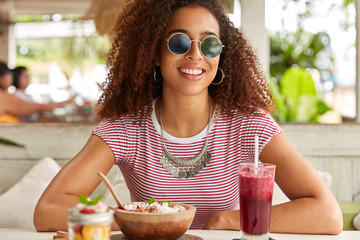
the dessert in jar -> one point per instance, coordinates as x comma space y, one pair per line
90, 220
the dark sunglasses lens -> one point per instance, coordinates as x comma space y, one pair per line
179, 44
211, 47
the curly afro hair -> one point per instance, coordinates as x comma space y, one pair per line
130, 85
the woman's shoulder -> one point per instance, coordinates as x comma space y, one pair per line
257, 115
247, 121
258, 123
123, 121
127, 118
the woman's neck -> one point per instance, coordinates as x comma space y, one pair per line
184, 117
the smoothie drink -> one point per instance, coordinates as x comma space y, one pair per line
256, 188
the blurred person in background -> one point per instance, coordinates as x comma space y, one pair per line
6, 79
12, 107
21, 80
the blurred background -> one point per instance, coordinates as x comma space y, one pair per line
307, 48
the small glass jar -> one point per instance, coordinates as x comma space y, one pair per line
94, 226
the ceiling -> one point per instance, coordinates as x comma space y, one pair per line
50, 6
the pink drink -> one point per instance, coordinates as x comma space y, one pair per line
256, 189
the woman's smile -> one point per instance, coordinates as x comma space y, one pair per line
192, 73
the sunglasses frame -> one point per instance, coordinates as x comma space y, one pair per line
191, 41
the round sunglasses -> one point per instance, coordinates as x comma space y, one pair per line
180, 43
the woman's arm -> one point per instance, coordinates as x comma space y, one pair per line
16, 106
312, 209
78, 176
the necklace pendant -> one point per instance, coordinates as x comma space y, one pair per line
174, 171
181, 174
194, 171
185, 168
162, 160
198, 167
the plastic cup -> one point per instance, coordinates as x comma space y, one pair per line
256, 190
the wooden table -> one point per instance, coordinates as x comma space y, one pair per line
30, 234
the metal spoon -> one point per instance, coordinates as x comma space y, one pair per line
111, 189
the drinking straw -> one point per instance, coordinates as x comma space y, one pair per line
256, 150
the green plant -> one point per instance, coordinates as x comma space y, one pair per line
229, 5
296, 97
7, 142
304, 49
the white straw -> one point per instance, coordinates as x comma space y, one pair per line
256, 150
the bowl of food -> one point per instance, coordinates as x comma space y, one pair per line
154, 220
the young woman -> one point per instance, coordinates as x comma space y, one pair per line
21, 80
12, 107
184, 99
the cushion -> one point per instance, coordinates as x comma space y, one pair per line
326, 176
120, 188
356, 221
350, 210
18, 203
279, 197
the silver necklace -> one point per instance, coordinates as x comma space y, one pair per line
189, 167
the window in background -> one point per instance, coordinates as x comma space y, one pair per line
318, 36
65, 56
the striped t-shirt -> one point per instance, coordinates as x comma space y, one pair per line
138, 149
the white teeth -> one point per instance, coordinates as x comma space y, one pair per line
191, 71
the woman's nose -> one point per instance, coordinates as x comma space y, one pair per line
194, 51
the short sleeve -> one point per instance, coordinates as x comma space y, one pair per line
262, 125
114, 134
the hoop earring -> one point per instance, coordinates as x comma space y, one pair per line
222, 78
156, 80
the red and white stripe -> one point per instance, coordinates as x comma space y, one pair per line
137, 151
